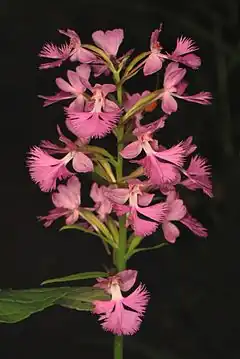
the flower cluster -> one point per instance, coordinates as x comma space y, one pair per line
148, 197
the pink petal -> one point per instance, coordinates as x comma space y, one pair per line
169, 104
170, 231
45, 169
203, 98
154, 37
195, 226
83, 55
184, 46
96, 193
173, 75
152, 64
190, 60
78, 104
121, 209
127, 279
118, 195
74, 80
49, 100
140, 226
107, 88
174, 154
132, 150
108, 41
119, 320
158, 172
178, 211
72, 217
83, 71
91, 124
188, 146
68, 196
82, 163
53, 214
64, 85
145, 199
156, 212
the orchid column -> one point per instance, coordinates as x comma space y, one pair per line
126, 207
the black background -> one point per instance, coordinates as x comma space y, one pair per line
193, 312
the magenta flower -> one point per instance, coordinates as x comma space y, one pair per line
175, 87
155, 59
159, 164
121, 315
139, 203
198, 175
73, 50
67, 201
100, 118
103, 205
183, 53
46, 169
178, 212
74, 89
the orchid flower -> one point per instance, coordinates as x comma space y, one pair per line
101, 115
67, 202
74, 89
178, 212
121, 315
175, 87
46, 169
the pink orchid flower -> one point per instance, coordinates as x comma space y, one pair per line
155, 60
178, 212
67, 202
103, 205
175, 87
183, 53
139, 203
74, 89
46, 169
121, 315
73, 50
100, 118
160, 165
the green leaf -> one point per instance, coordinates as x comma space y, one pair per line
78, 227
77, 276
82, 302
134, 242
17, 305
129, 255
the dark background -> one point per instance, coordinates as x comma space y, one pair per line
194, 284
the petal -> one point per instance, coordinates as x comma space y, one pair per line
140, 226
74, 80
118, 195
174, 154
154, 37
82, 163
108, 41
68, 196
53, 215
177, 211
132, 150
153, 64
184, 46
127, 279
194, 225
121, 209
170, 231
203, 98
169, 104
64, 85
72, 217
45, 169
83, 55
145, 199
156, 212
78, 104
49, 100
83, 71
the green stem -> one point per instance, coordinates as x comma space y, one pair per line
121, 250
